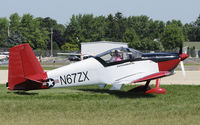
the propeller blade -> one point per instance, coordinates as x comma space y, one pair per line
182, 68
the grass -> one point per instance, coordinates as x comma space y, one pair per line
3, 67
90, 105
191, 64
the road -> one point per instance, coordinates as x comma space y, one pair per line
192, 78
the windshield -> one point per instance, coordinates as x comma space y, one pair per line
119, 54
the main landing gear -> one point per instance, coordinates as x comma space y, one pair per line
147, 89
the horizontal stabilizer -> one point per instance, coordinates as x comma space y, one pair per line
28, 85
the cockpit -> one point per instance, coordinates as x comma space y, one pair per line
118, 55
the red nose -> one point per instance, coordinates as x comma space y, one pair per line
183, 56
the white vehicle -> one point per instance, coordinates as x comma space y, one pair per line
117, 66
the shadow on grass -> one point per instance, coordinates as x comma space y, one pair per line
23, 93
120, 94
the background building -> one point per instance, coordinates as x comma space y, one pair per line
94, 48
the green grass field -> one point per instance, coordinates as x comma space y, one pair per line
91, 105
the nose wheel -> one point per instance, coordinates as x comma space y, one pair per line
157, 89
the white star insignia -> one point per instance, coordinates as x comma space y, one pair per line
50, 83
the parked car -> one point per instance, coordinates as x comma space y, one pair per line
87, 56
74, 58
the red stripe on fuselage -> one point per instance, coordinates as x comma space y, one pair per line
168, 65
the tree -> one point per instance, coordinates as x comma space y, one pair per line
176, 22
138, 31
109, 30
156, 28
30, 29
192, 30
141, 25
15, 38
58, 30
47, 23
115, 27
145, 44
15, 21
197, 29
98, 28
120, 26
72, 32
3, 31
85, 29
130, 36
172, 36
58, 37
70, 47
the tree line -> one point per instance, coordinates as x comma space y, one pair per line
140, 32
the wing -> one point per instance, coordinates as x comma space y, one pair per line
153, 76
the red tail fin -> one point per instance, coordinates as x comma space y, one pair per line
25, 72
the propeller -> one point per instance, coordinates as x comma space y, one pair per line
182, 68
183, 56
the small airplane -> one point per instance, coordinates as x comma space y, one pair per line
117, 66
75, 56
4, 55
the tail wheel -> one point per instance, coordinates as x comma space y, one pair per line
7, 84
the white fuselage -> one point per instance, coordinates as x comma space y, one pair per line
91, 71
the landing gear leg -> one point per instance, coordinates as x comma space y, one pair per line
146, 86
141, 88
158, 83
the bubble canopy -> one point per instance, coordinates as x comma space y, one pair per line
119, 55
